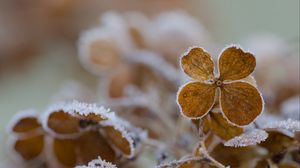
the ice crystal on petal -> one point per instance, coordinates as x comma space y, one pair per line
249, 138
98, 163
119, 126
75, 108
176, 163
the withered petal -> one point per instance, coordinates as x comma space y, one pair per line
196, 99
63, 123
240, 102
92, 144
198, 64
235, 64
221, 127
119, 140
26, 124
30, 148
65, 151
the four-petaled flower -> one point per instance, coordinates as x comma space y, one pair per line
240, 102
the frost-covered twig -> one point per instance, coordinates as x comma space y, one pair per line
175, 163
207, 156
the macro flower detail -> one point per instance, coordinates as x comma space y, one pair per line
72, 133
239, 101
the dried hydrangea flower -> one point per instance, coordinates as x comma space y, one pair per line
27, 136
99, 50
72, 133
90, 145
67, 120
240, 102
80, 121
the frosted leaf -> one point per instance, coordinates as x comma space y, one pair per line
105, 40
98, 163
77, 110
120, 137
289, 124
249, 138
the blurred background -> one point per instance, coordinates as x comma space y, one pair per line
39, 43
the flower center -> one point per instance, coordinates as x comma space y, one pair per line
218, 82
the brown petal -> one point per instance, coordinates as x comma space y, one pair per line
240, 102
26, 124
119, 140
30, 148
91, 118
120, 79
196, 99
220, 126
263, 163
235, 64
277, 142
65, 151
92, 144
198, 64
104, 53
63, 123
235, 157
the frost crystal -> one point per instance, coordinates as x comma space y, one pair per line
289, 124
175, 163
98, 163
249, 138
74, 108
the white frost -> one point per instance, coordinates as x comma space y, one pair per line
98, 163
289, 124
249, 138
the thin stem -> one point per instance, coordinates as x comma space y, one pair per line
206, 155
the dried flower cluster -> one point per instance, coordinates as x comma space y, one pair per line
68, 134
219, 120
